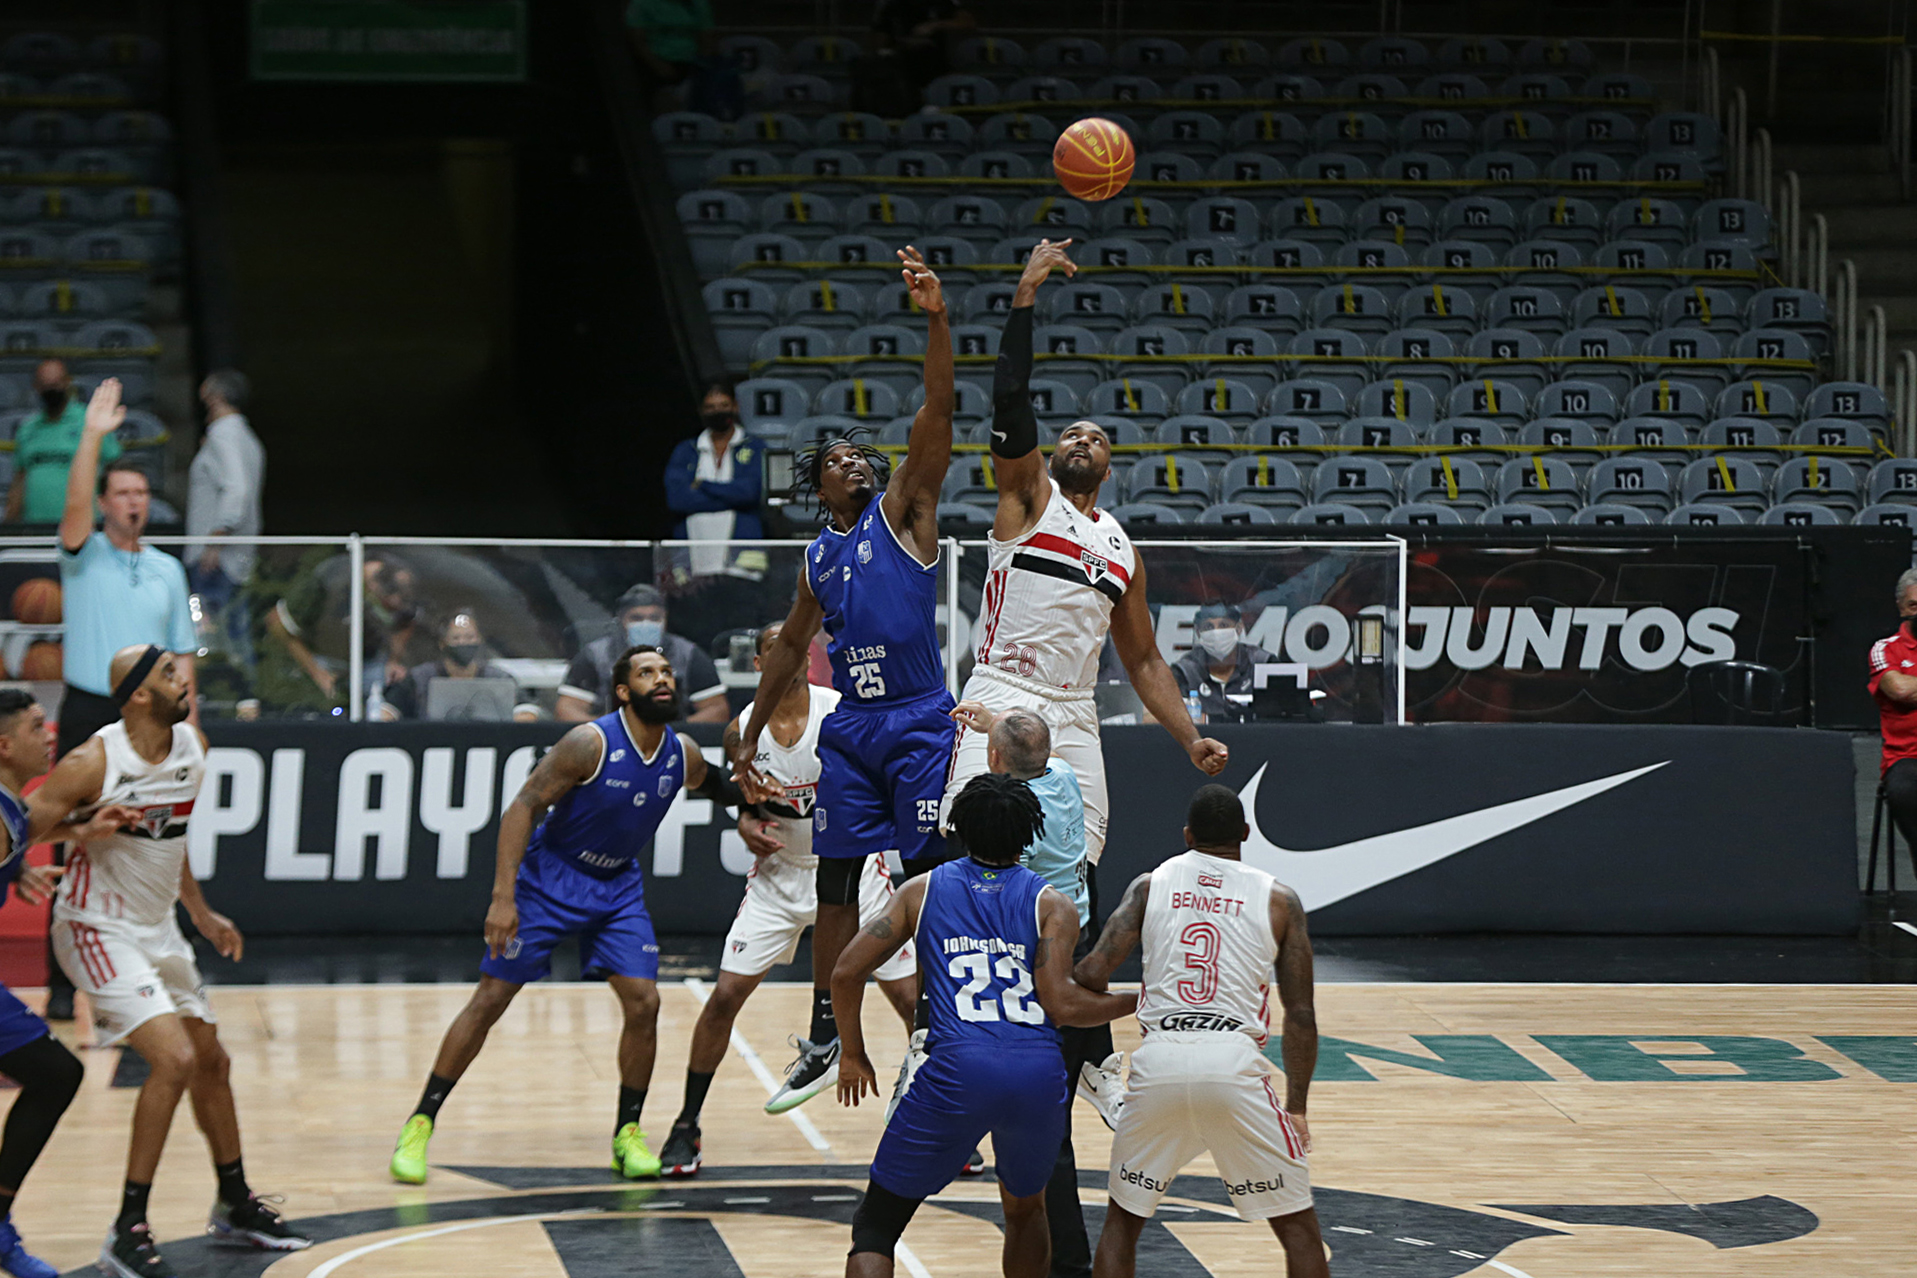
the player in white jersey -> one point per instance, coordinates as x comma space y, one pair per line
115, 933
781, 901
1061, 573
1212, 928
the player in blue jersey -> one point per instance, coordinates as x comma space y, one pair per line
568, 865
994, 942
48, 1074
871, 580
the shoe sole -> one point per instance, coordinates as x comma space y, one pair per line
254, 1239
788, 1099
406, 1178
109, 1265
681, 1170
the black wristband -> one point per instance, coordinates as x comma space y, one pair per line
1014, 427
719, 787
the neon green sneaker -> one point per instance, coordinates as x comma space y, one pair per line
631, 1156
409, 1156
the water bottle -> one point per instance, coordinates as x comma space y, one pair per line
1194, 708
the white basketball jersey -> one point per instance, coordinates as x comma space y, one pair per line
1049, 595
134, 875
796, 768
1208, 948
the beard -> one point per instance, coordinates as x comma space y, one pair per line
1078, 476
651, 709
169, 713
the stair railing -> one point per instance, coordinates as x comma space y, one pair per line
1737, 141
1876, 335
1817, 257
1844, 320
1903, 405
1897, 128
1788, 216
1760, 187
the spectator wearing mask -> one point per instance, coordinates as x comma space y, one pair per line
1893, 684
714, 483
223, 500
462, 655
1219, 665
44, 445
639, 618
312, 622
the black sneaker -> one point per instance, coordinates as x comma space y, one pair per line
133, 1255
255, 1223
974, 1165
60, 1004
816, 1069
681, 1156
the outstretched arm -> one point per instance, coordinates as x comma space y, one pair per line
1119, 938
1022, 485
563, 767
911, 496
1152, 679
105, 412
1065, 1000
1295, 994
783, 662
867, 951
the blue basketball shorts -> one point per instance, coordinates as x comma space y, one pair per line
556, 899
18, 1025
1019, 1095
881, 776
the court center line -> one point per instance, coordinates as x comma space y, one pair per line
764, 1075
900, 1251
1513, 1270
346, 1257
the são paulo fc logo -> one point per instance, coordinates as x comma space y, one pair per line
591, 1225
1095, 565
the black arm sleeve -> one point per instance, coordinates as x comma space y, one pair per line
720, 788
1014, 428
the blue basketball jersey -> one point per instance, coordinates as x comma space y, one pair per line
977, 935
880, 606
602, 825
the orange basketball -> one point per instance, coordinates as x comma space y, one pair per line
36, 601
43, 660
1093, 159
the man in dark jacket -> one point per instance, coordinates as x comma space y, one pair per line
1219, 665
714, 481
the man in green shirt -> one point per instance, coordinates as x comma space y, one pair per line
44, 445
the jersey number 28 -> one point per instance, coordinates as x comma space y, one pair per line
980, 968
866, 679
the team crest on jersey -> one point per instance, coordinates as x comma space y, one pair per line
1213, 881
865, 552
665, 787
165, 821
1095, 565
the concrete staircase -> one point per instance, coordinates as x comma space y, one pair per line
1853, 187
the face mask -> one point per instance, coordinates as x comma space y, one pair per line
645, 634
1218, 643
463, 654
718, 422
53, 401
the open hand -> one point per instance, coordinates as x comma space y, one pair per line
974, 715
1303, 1128
36, 882
855, 1077
105, 412
1049, 256
921, 282
219, 930
106, 819
758, 836
502, 925
754, 784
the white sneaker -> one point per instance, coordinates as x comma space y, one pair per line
914, 1057
816, 1069
1103, 1086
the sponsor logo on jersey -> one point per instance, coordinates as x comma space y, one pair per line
638, 800
618, 783
618, 754
1199, 1023
1214, 881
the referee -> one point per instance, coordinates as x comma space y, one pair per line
116, 593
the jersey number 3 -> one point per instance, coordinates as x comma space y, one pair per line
980, 968
866, 679
1201, 959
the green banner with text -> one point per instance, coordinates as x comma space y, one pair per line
418, 40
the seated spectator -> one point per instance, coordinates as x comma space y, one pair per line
921, 34
44, 445
1893, 683
714, 483
312, 624
640, 618
462, 655
676, 42
1219, 665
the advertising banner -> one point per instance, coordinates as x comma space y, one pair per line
391, 828
439, 40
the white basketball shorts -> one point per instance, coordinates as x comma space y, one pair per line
1193, 1093
129, 972
1073, 719
781, 902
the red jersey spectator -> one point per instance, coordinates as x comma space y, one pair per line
1893, 682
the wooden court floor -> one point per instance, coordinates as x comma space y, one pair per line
1533, 1130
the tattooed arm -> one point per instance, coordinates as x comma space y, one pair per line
867, 951
566, 765
1295, 994
1065, 1000
1119, 938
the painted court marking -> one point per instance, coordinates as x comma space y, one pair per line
347, 1257
1908, 927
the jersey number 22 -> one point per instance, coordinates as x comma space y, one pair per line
980, 968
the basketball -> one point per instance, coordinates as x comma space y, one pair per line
1093, 159
43, 660
36, 601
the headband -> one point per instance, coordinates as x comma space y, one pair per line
137, 676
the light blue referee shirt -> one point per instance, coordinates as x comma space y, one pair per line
1058, 855
113, 599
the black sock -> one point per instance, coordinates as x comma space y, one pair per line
6, 1204
631, 1101
824, 1028
434, 1096
233, 1188
697, 1085
922, 1014
132, 1206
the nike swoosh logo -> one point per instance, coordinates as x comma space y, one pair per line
999, 435
1328, 875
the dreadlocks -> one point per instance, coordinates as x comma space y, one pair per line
809, 461
998, 817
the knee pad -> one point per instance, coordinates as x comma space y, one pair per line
881, 1219
837, 879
